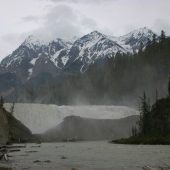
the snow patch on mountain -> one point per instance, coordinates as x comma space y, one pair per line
30, 72
55, 57
65, 59
33, 61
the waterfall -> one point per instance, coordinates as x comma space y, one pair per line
41, 117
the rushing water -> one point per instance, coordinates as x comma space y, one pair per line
99, 155
41, 117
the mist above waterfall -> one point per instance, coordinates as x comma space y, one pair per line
41, 117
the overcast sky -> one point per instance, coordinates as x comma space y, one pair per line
68, 18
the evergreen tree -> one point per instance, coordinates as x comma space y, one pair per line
144, 115
162, 35
156, 96
154, 123
169, 87
134, 131
149, 42
141, 47
1, 102
154, 38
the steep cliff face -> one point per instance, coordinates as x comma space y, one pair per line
12, 130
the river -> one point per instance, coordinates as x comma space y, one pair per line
97, 155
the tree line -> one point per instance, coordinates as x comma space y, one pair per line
153, 126
155, 119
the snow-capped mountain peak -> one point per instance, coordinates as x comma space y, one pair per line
36, 55
90, 48
91, 37
138, 33
133, 40
34, 40
96, 33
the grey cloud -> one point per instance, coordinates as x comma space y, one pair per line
68, 18
61, 12
161, 24
88, 22
12, 38
30, 19
81, 1
64, 22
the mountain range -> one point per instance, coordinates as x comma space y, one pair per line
35, 55
36, 58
